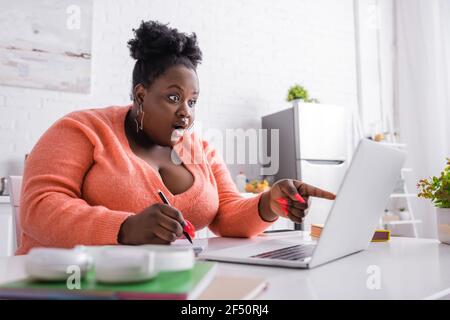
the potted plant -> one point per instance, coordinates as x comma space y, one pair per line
438, 190
297, 94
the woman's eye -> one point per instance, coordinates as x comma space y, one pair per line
192, 103
174, 98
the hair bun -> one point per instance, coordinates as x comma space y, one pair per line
155, 40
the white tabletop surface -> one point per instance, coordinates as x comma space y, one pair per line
409, 269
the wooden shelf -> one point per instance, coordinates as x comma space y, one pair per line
400, 222
393, 144
403, 195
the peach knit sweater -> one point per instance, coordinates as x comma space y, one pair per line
82, 180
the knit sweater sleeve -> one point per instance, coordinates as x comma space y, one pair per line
52, 210
237, 216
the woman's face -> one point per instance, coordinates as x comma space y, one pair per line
169, 104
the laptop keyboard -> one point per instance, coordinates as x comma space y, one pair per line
297, 252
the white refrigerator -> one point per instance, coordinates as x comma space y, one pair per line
312, 148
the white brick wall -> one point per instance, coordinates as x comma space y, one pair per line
253, 51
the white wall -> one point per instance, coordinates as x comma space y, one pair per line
253, 51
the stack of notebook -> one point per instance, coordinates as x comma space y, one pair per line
198, 283
167, 285
378, 236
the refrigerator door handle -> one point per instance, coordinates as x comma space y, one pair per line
325, 162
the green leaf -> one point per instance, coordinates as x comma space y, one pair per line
437, 189
299, 92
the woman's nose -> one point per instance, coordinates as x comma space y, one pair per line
184, 110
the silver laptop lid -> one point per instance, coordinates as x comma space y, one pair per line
360, 201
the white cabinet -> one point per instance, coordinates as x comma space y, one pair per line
6, 222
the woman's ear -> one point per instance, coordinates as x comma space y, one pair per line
139, 94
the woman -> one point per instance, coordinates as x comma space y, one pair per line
93, 177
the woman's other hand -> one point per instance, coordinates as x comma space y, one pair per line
289, 199
157, 224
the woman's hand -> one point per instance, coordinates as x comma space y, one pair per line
289, 198
157, 224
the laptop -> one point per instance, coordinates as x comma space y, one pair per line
351, 222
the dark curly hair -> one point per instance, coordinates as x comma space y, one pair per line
157, 47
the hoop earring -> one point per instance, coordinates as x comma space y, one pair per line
140, 124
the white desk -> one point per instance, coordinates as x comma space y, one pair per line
410, 269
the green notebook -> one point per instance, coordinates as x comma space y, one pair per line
180, 285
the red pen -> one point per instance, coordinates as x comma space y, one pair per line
188, 227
